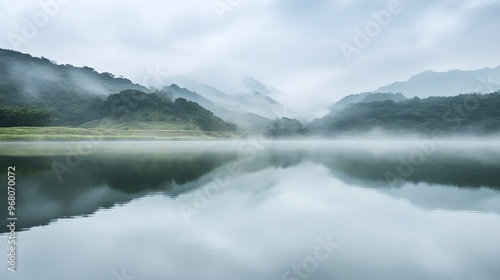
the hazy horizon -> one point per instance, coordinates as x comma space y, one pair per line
313, 52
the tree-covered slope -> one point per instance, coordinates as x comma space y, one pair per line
134, 109
66, 91
462, 114
285, 127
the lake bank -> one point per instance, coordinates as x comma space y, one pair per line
82, 134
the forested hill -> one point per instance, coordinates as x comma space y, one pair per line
462, 114
65, 91
138, 110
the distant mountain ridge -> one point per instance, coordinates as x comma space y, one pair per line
255, 86
174, 92
366, 97
246, 121
453, 82
252, 108
73, 94
65, 95
248, 100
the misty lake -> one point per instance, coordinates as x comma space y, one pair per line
255, 210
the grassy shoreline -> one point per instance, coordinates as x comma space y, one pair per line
79, 134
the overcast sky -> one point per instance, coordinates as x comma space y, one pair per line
294, 45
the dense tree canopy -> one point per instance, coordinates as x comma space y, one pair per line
285, 127
462, 114
64, 90
125, 103
23, 116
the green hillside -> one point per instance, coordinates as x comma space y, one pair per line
69, 93
462, 114
138, 110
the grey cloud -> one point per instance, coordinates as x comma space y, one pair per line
290, 44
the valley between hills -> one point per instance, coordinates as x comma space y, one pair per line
41, 100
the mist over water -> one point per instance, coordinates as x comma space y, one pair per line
253, 210
249, 140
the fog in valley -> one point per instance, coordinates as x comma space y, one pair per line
249, 140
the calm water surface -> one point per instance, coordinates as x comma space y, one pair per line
255, 210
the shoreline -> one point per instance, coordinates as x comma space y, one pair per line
54, 134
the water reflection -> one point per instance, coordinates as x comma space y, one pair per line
468, 165
441, 221
100, 181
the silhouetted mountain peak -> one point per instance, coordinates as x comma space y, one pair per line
449, 83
